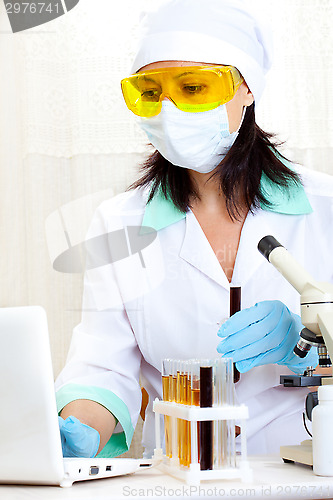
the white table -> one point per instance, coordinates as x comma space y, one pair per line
272, 479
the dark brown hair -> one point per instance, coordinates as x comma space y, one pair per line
253, 153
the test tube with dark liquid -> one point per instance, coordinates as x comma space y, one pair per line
235, 306
206, 427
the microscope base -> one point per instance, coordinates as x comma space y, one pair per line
299, 453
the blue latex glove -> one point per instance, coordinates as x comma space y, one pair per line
77, 439
263, 334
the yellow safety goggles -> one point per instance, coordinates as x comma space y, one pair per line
190, 88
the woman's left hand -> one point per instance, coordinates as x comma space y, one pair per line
263, 334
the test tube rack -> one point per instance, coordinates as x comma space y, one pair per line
192, 474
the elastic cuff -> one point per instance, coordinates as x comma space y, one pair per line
119, 442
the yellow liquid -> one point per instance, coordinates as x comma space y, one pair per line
178, 388
185, 422
167, 423
181, 426
179, 421
173, 395
195, 397
174, 388
188, 391
171, 388
195, 401
165, 388
188, 424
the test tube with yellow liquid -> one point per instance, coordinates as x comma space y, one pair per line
181, 423
178, 399
185, 397
166, 370
188, 424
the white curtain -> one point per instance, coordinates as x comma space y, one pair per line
67, 138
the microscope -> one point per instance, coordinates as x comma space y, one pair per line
317, 318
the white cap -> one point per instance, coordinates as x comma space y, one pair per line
325, 393
208, 31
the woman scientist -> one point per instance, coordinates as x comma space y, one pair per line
214, 187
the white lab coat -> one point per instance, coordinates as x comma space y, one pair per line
135, 316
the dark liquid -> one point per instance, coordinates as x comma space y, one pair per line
206, 428
235, 299
235, 306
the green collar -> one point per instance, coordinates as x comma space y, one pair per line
161, 212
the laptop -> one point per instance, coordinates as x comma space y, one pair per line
30, 443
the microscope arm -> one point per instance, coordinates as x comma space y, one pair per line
286, 264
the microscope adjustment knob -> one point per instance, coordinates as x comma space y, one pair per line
310, 402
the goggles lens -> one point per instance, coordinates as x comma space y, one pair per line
190, 88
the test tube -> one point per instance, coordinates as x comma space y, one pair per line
174, 380
228, 398
195, 401
220, 426
206, 427
172, 397
186, 427
166, 370
224, 430
182, 423
235, 306
231, 439
178, 399
188, 423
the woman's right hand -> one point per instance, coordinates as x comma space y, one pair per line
77, 439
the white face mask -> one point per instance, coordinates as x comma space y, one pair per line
198, 141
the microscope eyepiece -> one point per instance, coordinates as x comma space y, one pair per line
267, 244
